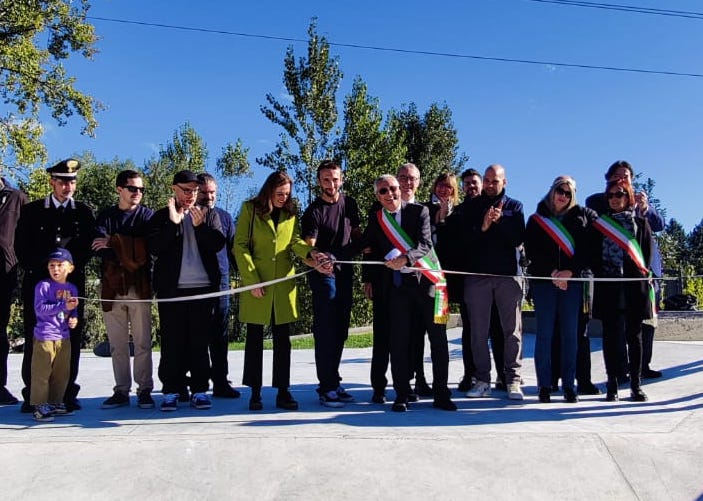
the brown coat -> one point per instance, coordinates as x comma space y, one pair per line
129, 269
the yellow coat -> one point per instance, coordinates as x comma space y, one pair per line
271, 257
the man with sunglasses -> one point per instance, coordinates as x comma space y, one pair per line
55, 221
125, 267
185, 238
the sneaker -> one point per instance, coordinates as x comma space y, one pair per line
118, 399
515, 392
480, 389
7, 398
343, 395
43, 413
61, 410
331, 399
144, 400
200, 401
170, 402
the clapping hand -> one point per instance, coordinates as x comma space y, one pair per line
175, 214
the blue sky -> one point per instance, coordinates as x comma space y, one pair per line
538, 120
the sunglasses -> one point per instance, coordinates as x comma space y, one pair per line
616, 194
386, 189
134, 189
565, 193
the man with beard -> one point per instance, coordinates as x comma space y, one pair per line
328, 224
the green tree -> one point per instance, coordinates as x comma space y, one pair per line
672, 245
36, 37
432, 142
694, 248
309, 119
187, 150
365, 147
232, 165
648, 187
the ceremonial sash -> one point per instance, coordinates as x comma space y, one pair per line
557, 232
624, 239
428, 263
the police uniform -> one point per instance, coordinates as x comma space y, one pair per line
42, 227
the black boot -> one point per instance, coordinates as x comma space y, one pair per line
612, 390
255, 400
284, 400
544, 395
636, 391
570, 396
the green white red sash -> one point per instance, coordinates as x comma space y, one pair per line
624, 239
429, 263
557, 232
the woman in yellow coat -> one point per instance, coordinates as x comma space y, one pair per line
267, 236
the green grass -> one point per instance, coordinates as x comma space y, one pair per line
362, 340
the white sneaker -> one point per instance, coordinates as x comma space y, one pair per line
515, 392
479, 389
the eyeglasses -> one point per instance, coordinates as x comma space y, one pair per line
187, 191
563, 192
616, 194
385, 189
408, 178
134, 189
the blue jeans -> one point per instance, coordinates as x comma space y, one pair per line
331, 306
553, 304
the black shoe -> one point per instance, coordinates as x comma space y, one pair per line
545, 395
612, 392
184, 396
379, 397
445, 404
73, 405
588, 389
26, 407
464, 385
144, 400
118, 399
412, 397
225, 391
284, 400
570, 396
651, 374
255, 403
637, 395
423, 389
7, 398
399, 406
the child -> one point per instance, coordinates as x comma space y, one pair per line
55, 305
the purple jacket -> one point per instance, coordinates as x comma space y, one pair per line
50, 308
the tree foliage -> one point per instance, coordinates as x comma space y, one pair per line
309, 118
36, 36
431, 140
672, 245
694, 249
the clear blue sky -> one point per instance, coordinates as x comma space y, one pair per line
537, 120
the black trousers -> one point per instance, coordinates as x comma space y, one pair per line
404, 299
8, 283
219, 342
31, 278
615, 324
185, 334
254, 356
647, 345
381, 351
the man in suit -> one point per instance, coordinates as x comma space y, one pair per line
399, 233
55, 221
11, 200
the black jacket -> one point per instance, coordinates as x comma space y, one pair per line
11, 202
165, 243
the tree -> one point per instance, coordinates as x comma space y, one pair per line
648, 187
232, 165
309, 119
187, 150
431, 140
35, 38
672, 245
694, 248
365, 147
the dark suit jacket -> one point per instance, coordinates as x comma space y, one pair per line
415, 221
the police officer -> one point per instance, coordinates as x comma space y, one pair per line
55, 221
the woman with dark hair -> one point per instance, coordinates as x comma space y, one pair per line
556, 244
623, 249
267, 236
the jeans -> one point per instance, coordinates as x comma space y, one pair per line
331, 305
552, 303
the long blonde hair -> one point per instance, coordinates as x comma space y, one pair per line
549, 197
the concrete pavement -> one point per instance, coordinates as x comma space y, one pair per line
491, 448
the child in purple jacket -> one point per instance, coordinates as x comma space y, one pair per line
55, 305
